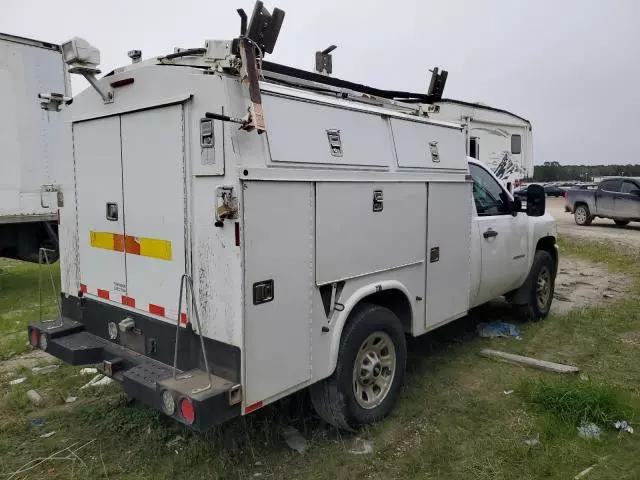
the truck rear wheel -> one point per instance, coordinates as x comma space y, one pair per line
582, 216
542, 286
369, 373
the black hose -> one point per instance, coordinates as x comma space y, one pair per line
186, 53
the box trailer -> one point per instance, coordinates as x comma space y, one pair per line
500, 139
242, 230
29, 137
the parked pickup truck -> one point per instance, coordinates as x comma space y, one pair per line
617, 198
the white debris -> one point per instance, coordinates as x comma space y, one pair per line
70, 399
583, 472
47, 435
88, 371
584, 377
624, 426
361, 447
589, 431
34, 397
98, 381
531, 441
43, 370
294, 439
174, 442
508, 392
17, 381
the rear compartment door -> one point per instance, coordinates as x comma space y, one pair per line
100, 207
153, 179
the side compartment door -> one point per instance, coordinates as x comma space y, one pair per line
502, 237
100, 207
278, 284
153, 179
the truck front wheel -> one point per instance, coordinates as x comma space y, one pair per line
369, 373
582, 215
541, 286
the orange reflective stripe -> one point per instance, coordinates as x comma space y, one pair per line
143, 246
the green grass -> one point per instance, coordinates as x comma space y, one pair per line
453, 420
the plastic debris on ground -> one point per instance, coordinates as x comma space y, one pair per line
584, 377
589, 431
624, 426
47, 435
498, 329
175, 441
295, 440
70, 399
37, 422
43, 370
88, 371
34, 397
507, 392
98, 381
583, 472
532, 441
17, 381
361, 447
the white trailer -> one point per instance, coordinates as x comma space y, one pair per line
500, 139
28, 140
317, 224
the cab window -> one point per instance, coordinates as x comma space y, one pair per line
628, 187
490, 198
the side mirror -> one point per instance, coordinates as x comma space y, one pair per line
516, 207
536, 200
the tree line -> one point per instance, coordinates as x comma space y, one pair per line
554, 172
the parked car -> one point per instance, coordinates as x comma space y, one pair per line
553, 191
617, 198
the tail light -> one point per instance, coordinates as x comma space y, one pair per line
34, 337
186, 410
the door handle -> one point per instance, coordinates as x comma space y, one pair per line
490, 234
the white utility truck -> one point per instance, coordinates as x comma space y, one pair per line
28, 139
242, 230
500, 139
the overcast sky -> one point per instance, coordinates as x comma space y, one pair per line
571, 67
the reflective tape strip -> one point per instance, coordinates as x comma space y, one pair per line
143, 246
128, 301
103, 294
156, 309
183, 319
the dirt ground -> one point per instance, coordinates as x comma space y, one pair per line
601, 228
583, 284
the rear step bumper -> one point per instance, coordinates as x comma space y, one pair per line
143, 378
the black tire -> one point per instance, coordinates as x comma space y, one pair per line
582, 215
334, 398
534, 309
622, 223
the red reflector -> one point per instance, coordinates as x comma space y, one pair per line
237, 234
128, 301
186, 410
253, 407
103, 294
34, 337
156, 309
122, 83
83, 288
183, 318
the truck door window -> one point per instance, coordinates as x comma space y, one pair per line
628, 187
612, 185
516, 144
490, 198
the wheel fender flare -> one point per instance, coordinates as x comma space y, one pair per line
340, 319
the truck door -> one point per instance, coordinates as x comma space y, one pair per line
100, 207
605, 197
628, 203
503, 238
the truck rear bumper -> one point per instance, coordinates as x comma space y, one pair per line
199, 400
